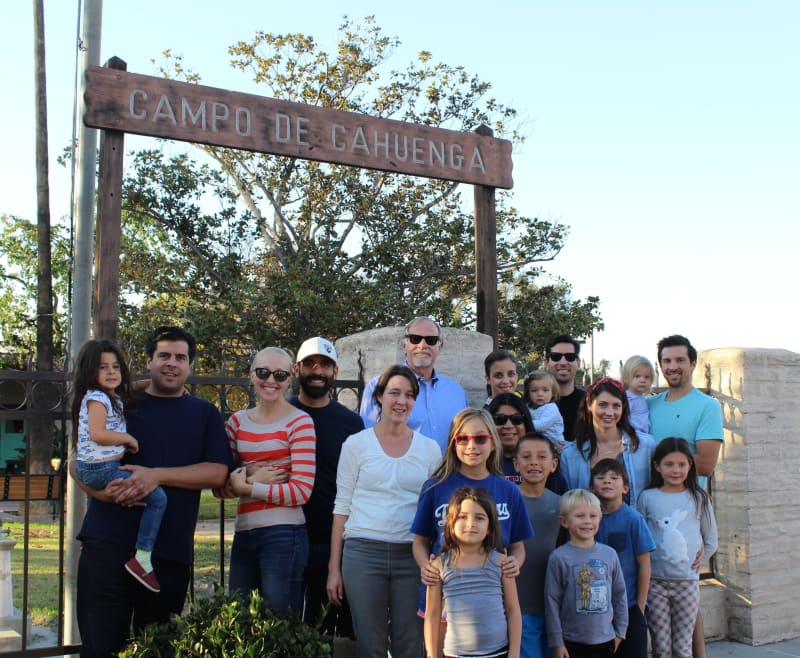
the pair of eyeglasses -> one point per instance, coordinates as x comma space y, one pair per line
477, 439
502, 419
569, 356
416, 339
278, 375
322, 362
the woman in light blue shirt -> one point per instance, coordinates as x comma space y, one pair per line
604, 431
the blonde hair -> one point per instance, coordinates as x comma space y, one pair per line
273, 350
575, 497
450, 463
632, 365
543, 376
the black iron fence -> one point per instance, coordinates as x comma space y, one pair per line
32, 499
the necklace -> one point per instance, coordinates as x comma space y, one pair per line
612, 450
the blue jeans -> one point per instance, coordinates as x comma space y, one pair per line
271, 559
381, 580
96, 475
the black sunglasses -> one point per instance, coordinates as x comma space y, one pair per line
278, 375
502, 419
321, 361
416, 339
569, 356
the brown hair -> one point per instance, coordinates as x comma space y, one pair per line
483, 498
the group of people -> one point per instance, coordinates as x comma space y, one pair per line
423, 522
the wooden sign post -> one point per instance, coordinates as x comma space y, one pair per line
120, 102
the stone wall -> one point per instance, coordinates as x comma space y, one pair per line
371, 352
757, 489
756, 483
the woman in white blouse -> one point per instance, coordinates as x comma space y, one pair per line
381, 471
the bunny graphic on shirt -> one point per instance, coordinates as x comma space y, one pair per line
673, 543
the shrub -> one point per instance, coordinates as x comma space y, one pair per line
225, 626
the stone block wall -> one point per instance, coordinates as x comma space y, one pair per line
461, 358
757, 488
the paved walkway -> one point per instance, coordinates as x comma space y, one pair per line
785, 649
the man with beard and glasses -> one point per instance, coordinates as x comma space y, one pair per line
440, 398
316, 371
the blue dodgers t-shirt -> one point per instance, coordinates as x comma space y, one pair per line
626, 531
171, 432
432, 508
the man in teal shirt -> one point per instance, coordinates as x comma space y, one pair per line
685, 412
682, 410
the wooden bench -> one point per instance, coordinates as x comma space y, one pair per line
41, 486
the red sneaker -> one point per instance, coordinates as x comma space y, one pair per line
146, 578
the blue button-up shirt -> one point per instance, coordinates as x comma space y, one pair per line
440, 398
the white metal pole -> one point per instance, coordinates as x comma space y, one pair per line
83, 214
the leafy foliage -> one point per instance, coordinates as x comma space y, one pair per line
224, 625
19, 257
250, 249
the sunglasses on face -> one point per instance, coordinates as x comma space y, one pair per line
569, 356
416, 339
322, 362
502, 419
477, 439
278, 375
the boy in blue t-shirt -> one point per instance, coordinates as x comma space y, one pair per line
626, 531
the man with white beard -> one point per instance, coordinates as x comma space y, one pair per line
440, 398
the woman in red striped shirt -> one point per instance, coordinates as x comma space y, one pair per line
274, 446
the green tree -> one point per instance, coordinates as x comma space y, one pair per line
250, 249
534, 307
18, 289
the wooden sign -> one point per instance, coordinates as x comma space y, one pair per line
146, 105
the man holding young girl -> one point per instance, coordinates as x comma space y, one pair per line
183, 448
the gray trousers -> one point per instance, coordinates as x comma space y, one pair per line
381, 580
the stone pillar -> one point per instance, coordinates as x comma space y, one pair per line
6, 587
757, 488
10, 617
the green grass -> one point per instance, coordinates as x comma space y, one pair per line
209, 507
43, 561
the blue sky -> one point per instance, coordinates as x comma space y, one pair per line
665, 135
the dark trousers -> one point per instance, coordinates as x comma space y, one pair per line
109, 600
635, 643
337, 622
581, 650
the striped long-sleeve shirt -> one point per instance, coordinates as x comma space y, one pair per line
290, 444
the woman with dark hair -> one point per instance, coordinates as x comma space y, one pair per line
500, 367
604, 431
512, 420
380, 474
